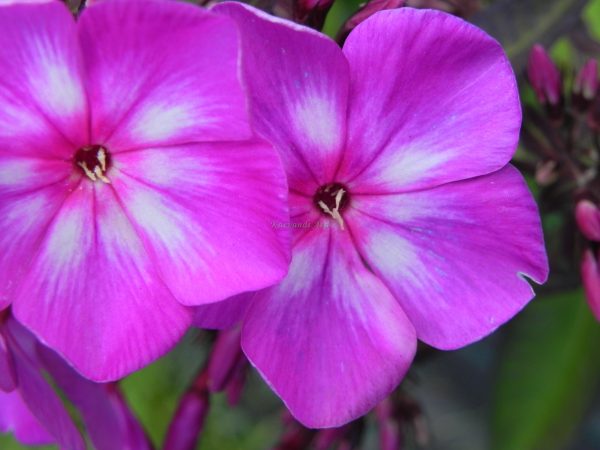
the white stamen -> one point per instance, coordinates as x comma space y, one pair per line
338, 198
87, 171
100, 174
102, 159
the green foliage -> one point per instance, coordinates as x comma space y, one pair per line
592, 18
548, 373
338, 14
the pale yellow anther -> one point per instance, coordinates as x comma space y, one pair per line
98, 172
87, 171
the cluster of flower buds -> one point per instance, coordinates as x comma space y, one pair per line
224, 371
563, 139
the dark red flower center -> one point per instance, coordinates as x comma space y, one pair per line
94, 161
331, 197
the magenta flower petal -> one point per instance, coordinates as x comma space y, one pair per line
226, 245
433, 99
224, 314
8, 378
299, 103
16, 418
44, 106
32, 191
455, 257
106, 418
145, 63
330, 339
41, 92
92, 269
38, 394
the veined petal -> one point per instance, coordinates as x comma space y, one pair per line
16, 418
37, 394
329, 339
205, 213
298, 85
102, 413
32, 192
456, 256
92, 293
44, 106
433, 100
161, 72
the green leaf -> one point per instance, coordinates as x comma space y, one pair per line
547, 375
592, 18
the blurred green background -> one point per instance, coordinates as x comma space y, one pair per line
532, 385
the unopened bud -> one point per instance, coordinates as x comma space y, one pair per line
544, 77
185, 428
585, 85
390, 436
591, 281
224, 359
587, 216
364, 13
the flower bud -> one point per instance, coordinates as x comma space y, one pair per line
188, 421
544, 77
587, 216
585, 85
364, 13
591, 281
224, 359
390, 436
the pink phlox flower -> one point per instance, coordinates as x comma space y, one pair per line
396, 150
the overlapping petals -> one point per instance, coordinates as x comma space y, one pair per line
438, 235
101, 272
34, 413
309, 127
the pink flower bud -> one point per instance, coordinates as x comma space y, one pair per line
591, 281
544, 76
188, 421
365, 12
390, 435
224, 359
585, 85
587, 216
